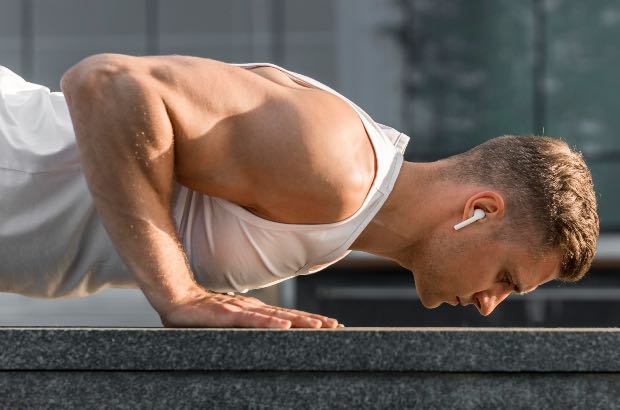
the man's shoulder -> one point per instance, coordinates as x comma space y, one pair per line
316, 166
289, 150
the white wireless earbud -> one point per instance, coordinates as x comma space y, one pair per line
478, 215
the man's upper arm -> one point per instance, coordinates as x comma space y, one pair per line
213, 107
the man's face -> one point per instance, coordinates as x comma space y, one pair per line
477, 271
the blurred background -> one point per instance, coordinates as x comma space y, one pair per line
450, 74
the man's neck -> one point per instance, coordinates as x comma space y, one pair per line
406, 218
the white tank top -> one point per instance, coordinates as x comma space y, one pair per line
53, 244
231, 249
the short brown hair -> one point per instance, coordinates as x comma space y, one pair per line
549, 187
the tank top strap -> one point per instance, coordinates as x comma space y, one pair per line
399, 139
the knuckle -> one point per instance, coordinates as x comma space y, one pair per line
276, 310
225, 308
234, 308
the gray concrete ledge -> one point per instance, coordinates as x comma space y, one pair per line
307, 390
365, 368
478, 350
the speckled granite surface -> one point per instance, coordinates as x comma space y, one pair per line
346, 368
349, 349
307, 390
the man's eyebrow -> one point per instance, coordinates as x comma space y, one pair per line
518, 287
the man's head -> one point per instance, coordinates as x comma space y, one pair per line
541, 222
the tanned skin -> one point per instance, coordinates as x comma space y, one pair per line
249, 136
287, 152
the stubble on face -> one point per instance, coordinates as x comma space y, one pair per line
439, 268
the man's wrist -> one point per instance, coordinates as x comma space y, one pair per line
166, 300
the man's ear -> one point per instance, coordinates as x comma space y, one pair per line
491, 202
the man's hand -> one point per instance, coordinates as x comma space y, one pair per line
211, 309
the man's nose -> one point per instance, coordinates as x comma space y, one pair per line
489, 300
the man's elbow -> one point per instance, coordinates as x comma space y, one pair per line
91, 72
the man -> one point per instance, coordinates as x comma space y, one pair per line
211, 178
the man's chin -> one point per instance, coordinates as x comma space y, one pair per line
431, 305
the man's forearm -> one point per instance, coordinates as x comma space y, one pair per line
126, 145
